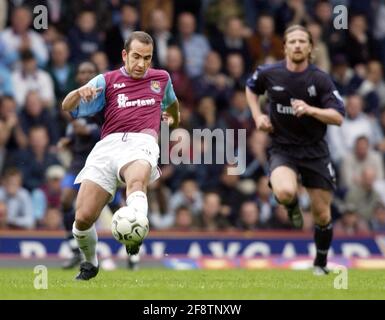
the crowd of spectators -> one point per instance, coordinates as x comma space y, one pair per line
209, 48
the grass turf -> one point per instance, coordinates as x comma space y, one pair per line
192, 285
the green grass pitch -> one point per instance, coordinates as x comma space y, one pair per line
156, 284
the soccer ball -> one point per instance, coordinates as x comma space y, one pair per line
128, 227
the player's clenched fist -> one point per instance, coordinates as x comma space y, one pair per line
88, 93
300, 107
263, 123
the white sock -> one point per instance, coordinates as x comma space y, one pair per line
138, 201
87, 240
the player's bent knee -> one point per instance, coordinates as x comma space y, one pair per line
83, 220
322, 218
136, 184
285, 196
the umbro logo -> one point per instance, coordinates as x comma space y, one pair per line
119, 85
278, 88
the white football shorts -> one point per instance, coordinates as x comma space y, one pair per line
114, 151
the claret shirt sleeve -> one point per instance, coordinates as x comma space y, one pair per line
90, 108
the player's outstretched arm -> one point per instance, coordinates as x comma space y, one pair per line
262, 121
85, 93
327, 116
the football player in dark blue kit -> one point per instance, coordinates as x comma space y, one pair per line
302, 102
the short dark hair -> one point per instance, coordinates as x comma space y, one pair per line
141, 36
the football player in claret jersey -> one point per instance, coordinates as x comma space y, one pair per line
302, 102
133, 100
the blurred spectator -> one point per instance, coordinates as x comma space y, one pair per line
231, 196
289, 13
185, 117
189, 196
48, 195
148, 7
210, 218
361, 45
159, 215
304, 199
61, 70
213, 82
83, 37
17, 199
378, 27
356, 124
181, 82
378, 8
363, 196
12, 133
189, 41
333, 38
345, 78
3, 14
361, 157
280, 219
232, 41
19, 37
256, 155
308, 221
372, 89
3, 215
6, 87
160, 26
34, 114
206, 114
257, 8
265, 200
58, 13
351, 223
35, 160
320, 52
264, 42
248, 217
195, 7
238, 116
235, 69
31, 78
3, 149
381, 144
184, 149
378, 220
99, 8
51, 35
218, 12
100, 59
52, 219
184, 219
116, 36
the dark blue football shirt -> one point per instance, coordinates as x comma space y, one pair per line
302, 137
